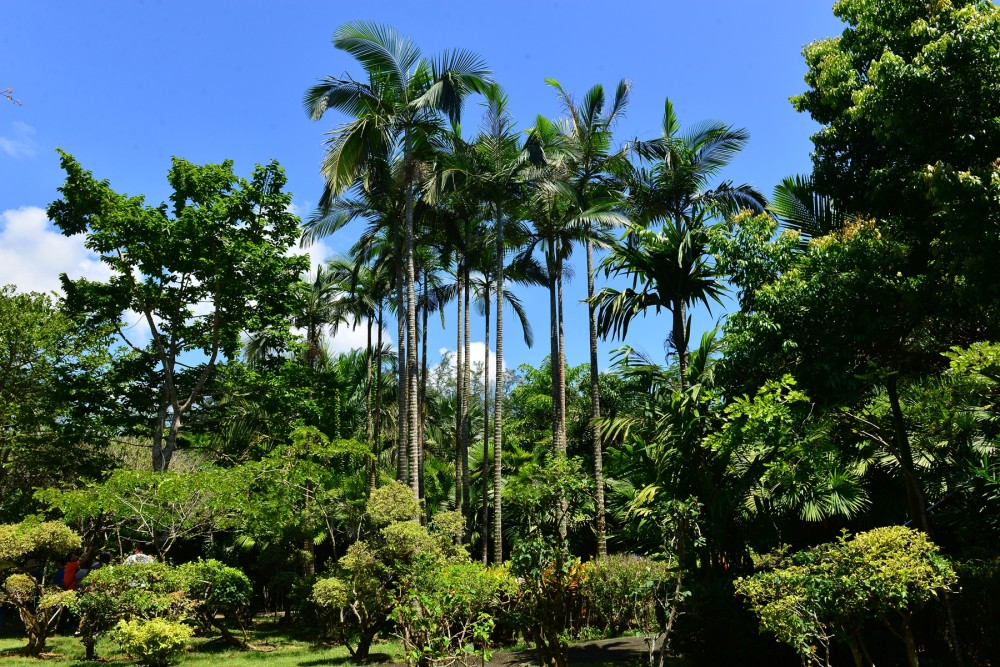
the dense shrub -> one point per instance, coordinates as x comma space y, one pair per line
39, 603
620, 592
154, 642
391, 503
217, 591
447, 613
381, 570
128, 592
977, 608
831, 591
548, 600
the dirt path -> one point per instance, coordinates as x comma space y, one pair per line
609, 651
621, 651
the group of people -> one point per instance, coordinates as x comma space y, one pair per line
75, 571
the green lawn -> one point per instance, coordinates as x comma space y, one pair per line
277, 648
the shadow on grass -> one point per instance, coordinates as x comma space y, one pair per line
373, 659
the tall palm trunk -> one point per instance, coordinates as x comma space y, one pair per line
554, 354
680, 336
564, 520
484, 511
377, 438
401, 462
412, 366
562, 363
498, 403
459, 396
600, 523
423, 381
369, 417
467, 379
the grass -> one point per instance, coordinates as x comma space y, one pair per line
275, 647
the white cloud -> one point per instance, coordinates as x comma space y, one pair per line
318, 252
477, 351
33, 253
349, 337
20, 143
135, 327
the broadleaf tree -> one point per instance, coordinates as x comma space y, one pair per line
198, 274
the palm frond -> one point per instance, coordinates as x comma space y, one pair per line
381, 50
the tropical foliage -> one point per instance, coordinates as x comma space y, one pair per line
818, 463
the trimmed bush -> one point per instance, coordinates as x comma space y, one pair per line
39, 603
155, 642
217, 590
128, 592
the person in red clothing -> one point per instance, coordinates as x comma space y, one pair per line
69, 573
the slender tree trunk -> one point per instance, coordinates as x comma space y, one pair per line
600, 523
165, 452
680, 340
912, 659
467, 379
412, 361
484, 511
401, 462
423, 382
498, 401
563, 505
159, 460
369, 417
377, 439
459, 396
916, 500
554, 356
856, 654
904, 455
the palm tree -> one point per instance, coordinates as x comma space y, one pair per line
377, 199
490, 173
675, 185
669, 270
501, 179
394, 112
524, 272
799, 207
674, 192
560, 220
364, 287
318, 295
591, 166
459, 233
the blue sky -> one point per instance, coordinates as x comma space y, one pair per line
124, 86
